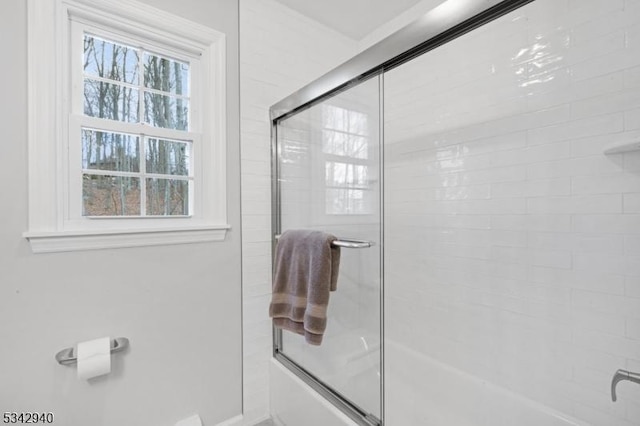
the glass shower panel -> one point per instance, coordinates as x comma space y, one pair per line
512, 267
329, 180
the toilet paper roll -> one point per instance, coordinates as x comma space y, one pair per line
94, 358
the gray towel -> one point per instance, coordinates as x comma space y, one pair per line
306, 270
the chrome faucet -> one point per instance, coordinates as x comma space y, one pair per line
620, 376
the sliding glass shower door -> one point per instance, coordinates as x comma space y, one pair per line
512, 255
328, 178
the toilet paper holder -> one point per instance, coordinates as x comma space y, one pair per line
68, 356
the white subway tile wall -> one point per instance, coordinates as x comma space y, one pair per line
280, 51
512, 243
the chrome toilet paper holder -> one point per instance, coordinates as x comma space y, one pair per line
68, 356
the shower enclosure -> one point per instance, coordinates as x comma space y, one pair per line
486, 159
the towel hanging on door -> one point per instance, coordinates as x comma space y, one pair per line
305, 272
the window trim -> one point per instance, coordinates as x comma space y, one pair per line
49, 80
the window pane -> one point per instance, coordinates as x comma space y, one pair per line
110, 151
110, 60
167, 157
111, 101
166, 75
110, 195
166, 111
166, 197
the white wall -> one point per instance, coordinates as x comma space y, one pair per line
398, 22
511, 247
281, 51
179, 305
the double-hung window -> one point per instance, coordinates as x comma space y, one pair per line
133, 126
127, 145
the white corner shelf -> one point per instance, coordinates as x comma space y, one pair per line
621, 147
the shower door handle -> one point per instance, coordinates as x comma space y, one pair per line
620, 376
346, 243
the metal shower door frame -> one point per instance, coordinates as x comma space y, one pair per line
446, 22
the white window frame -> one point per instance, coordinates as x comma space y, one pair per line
55, 221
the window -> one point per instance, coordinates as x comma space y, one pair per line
131, 166
127, 147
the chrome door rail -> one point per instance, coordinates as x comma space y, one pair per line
442, 24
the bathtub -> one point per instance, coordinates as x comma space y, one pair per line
419, 391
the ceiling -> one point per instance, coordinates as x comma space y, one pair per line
353, 18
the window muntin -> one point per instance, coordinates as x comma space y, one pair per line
126, 86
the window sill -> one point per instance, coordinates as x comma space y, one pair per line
52, 242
